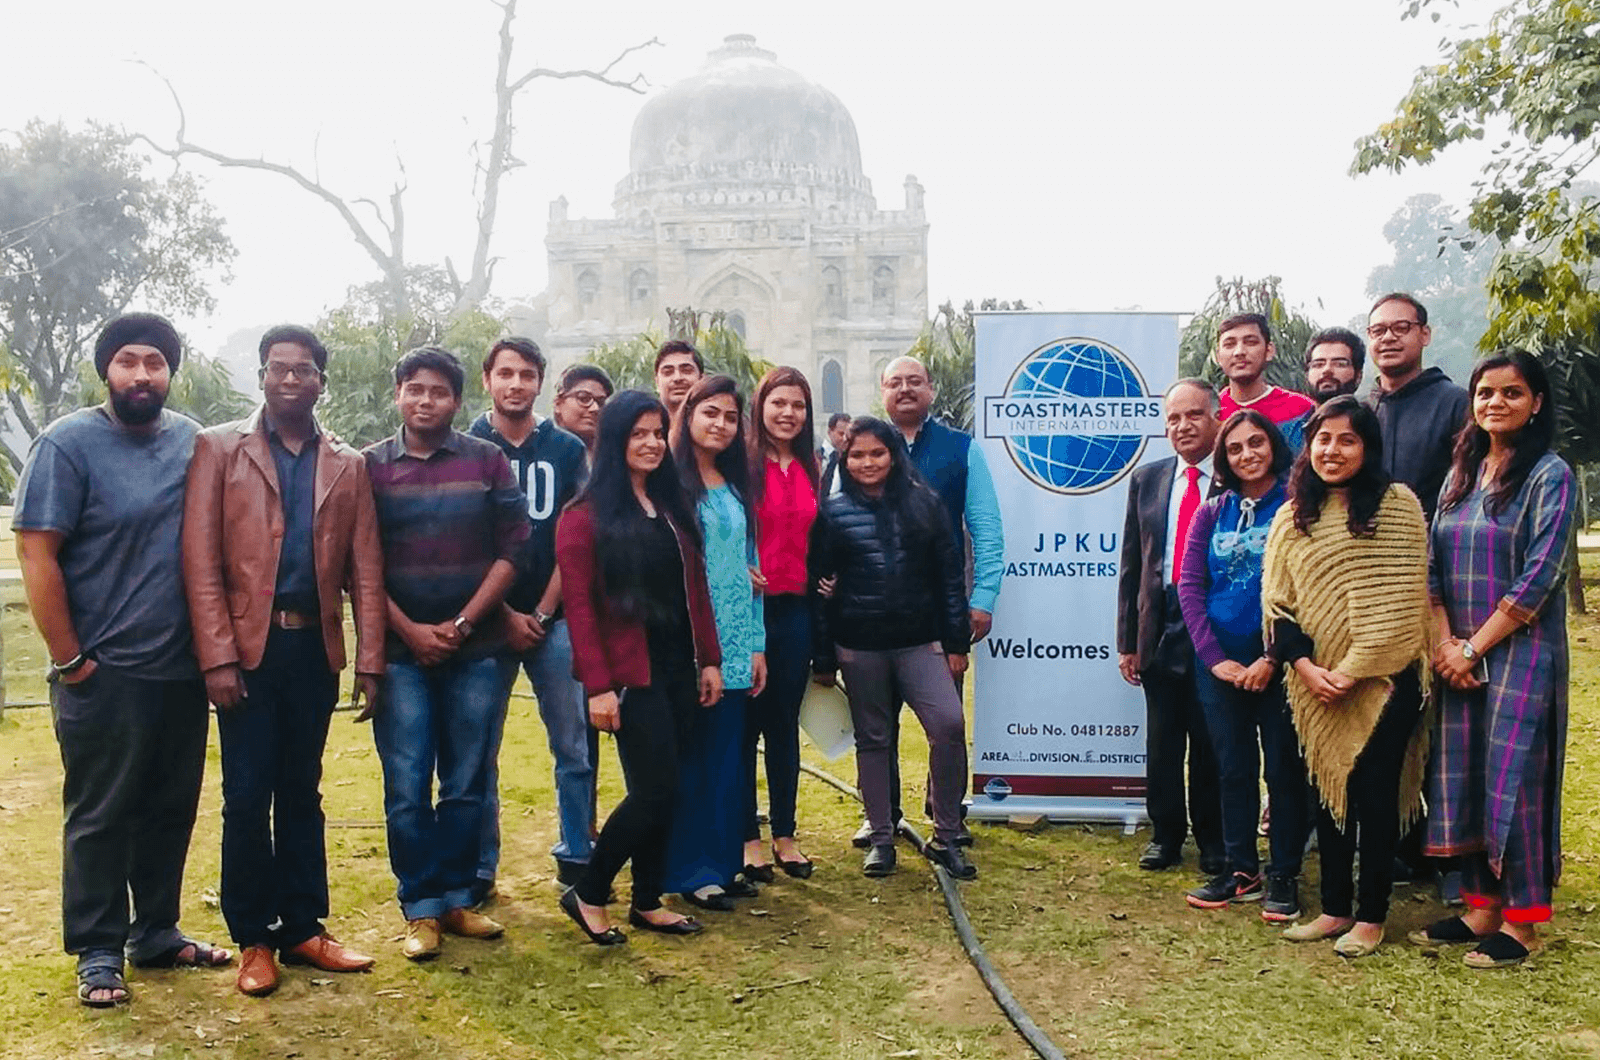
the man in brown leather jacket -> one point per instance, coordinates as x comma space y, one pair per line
278, 522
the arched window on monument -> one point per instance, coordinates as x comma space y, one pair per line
736, 324
588, 288
640, 289
832, 291
883, 289
832, 388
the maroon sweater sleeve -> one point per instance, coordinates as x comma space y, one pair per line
702, 619
580, 588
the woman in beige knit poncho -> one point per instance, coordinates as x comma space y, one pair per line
1346, 605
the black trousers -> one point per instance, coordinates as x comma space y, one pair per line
1372, 814
274, 858
133, 751
1175, 729
655, 725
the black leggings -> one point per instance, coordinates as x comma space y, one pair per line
1372, 809
655, 721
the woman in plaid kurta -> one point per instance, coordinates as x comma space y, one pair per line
1496, 570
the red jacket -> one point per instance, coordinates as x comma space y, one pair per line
610, 652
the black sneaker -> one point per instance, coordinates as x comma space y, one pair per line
880, 861
1282, 901
954, 860
1224, 889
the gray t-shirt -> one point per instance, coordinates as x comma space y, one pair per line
117, 498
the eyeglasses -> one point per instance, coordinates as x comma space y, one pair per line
1320, 363
278, 371
1399, 329
585, 399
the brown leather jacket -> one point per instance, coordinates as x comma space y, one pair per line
232, 526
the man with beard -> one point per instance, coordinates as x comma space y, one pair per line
1420, 411
98, 519
548, 463
678, 368
1244, 346
1154, 651
278, 520
1334, 359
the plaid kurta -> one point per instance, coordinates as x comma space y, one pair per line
1499, 750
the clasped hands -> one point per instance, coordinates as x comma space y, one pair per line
1454, 667
1252, 678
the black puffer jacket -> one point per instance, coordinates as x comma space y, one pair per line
900, 577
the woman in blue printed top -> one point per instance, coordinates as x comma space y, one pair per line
706, 848
1240, 687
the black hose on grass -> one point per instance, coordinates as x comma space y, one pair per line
1036, 1038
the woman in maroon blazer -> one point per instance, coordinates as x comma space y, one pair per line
644, 646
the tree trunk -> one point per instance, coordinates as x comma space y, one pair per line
1575, 601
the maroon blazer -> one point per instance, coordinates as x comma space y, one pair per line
610, 652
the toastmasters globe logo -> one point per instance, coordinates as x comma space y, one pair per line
1075, 415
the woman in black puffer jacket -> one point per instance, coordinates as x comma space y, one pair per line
896, 624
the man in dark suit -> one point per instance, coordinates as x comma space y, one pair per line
1153, 647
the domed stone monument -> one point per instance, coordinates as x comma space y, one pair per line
745, 194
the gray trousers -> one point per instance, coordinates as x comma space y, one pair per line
876, 682
133, 751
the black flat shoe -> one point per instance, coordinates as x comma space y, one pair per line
687, 926
740, 889
879, 861
800, 870
759, 873
1157, 857
953, 859
569, 905
717, 903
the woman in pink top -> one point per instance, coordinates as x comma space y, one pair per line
783, 487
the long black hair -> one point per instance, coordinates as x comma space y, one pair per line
905, 494
1366, 487
1531, 443
621, 528
804, 444
733, 462
1282, 457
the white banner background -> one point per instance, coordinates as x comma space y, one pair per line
1056, 731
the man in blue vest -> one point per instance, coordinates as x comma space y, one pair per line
958, 473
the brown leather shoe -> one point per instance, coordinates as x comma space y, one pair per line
329, 954
258, 972
422, 939
470, 925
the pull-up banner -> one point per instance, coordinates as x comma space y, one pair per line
1066, 406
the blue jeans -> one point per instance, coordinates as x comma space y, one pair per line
437, 719
564, 709
1247, 729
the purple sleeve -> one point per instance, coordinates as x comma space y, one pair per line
1195, 582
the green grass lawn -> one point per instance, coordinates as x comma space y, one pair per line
1107, 959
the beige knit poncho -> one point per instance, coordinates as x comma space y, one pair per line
1364, 603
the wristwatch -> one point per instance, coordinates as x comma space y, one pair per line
463, 626
543, 619
1468, 652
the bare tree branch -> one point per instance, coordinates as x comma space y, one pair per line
637, 83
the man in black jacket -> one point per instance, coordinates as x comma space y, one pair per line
1420, 409
1153, 647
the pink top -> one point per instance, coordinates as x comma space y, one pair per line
783, 522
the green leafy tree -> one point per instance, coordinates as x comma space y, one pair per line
1291, 330
84, 231
1436, 261
365, 340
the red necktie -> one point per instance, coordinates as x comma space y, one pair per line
1187, 506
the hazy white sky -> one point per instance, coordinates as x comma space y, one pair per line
1080, 155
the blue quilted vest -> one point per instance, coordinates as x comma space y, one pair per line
940, 457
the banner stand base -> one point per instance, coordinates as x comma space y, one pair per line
1129, 813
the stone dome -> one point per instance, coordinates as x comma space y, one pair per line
741, 111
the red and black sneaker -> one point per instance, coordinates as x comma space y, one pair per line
1224, 889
